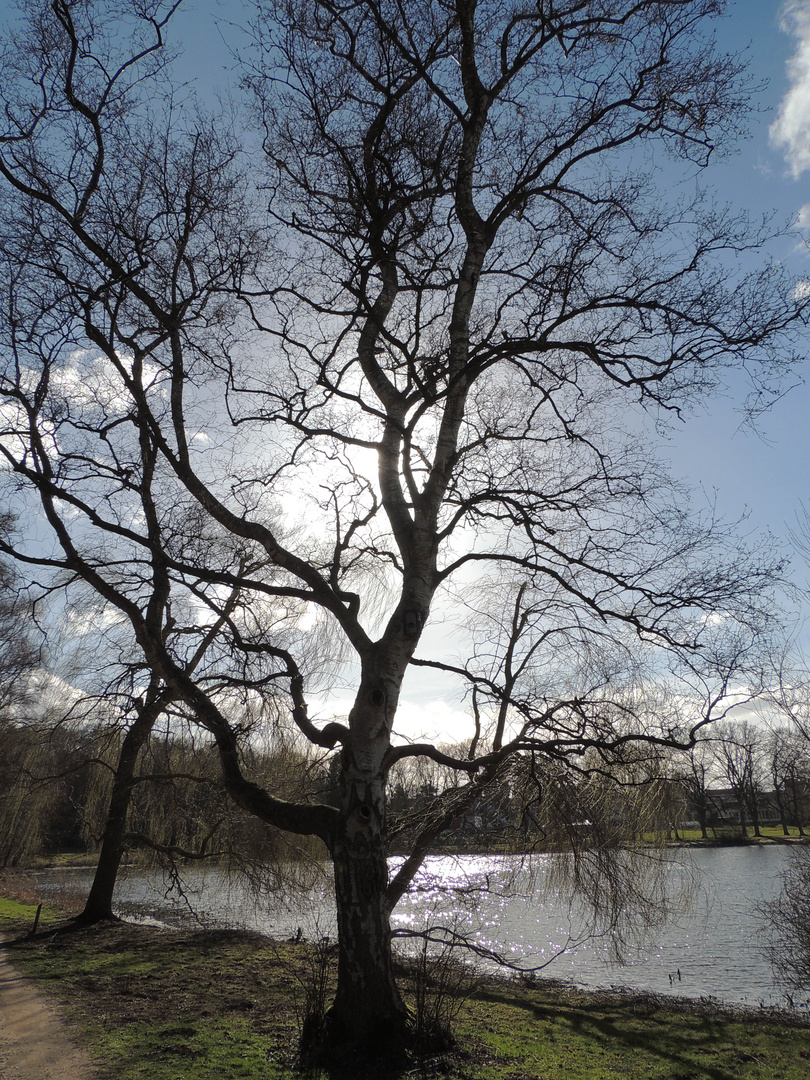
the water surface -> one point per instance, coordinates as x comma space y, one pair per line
713, 949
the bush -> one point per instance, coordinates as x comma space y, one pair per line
788, 944
440, 985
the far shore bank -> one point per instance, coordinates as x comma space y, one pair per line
73, 860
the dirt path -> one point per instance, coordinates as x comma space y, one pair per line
34, 1043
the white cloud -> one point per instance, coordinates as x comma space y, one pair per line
791, 129
431, 721
435, 721
96, 386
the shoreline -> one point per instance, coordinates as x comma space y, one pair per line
721, 966
86, 861
226, 1004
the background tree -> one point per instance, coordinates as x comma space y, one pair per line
695, 772
19, 652
145, 710
408, 387
45, 771
21, 822
739, 746
787, 760
179, 817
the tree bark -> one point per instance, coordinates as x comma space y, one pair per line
754, 811
794, 788
98, 907
368, 1011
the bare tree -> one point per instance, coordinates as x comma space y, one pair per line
144, 710
404, 389
20, 801
20, 654
694, 772
787, 758
739, 745
784, 707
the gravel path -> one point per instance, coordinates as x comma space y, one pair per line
34, 1043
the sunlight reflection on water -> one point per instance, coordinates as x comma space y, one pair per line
711, 950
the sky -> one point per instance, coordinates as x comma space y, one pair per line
762, 476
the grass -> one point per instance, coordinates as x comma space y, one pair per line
18, 909
730, 834
14, 914
165, 1004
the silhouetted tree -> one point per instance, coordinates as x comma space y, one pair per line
407, 386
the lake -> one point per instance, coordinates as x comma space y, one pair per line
713, 949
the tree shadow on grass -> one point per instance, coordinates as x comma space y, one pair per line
411, 1055
692, 1037
364, 1067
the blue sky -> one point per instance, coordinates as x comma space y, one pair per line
767, 476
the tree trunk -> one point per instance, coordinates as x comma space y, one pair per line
368, 1012
743, 827
754, 811
368, 1009
794, 788
98, 907
782, 809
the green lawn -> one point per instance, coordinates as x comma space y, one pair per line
732, 834
17, 916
